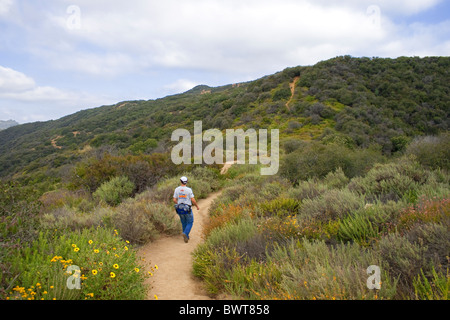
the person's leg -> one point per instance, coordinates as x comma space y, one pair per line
189, 220
183, 221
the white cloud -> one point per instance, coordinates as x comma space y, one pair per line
246, 36
24, 100
5, 6
18, 86
12, 81
181, 85
127, 43
210, 35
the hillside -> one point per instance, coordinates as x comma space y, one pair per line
360, 100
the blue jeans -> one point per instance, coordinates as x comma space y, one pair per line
187, 221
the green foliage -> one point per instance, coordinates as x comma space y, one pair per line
114, 191
315, 240
279, 207
70, 219
392, 181
332, 204
19, 209
403, 258
143, 170
436, 288
109, 268
358, 228
312, 270
432, 152
316, 160
141, 222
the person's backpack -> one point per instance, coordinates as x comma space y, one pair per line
183, 208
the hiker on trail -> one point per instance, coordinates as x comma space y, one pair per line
183, 198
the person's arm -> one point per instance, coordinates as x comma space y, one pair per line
175, 200
195, 203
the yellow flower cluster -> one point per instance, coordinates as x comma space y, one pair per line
91, 268
65, 263
20, 293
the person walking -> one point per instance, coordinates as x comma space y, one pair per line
183, 197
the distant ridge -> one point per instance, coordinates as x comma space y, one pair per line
7, 124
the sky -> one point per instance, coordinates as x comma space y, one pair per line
58, 57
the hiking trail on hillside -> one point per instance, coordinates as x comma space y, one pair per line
174, 279
292, 86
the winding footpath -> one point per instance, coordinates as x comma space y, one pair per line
174, 279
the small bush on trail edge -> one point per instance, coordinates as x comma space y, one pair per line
114, 191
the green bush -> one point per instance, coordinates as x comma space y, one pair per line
331, 205
358, 228
140, 222
280, 207
392, 181
431, 151
66, 218
436, 287
224, 249
307, 190
316, 160
312, 270
371, 222
336, 179
404, 261
114, 191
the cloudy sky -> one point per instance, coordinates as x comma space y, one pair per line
58, 57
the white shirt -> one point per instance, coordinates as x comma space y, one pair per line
183, 195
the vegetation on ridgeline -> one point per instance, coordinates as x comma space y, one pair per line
363, 180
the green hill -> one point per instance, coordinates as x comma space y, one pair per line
360, 100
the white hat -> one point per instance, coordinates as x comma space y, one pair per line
184, 179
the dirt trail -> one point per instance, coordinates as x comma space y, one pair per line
174, 279
292, 86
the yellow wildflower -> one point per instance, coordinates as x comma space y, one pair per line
112, 274
90, 241
94, 272
136, 269
116, 266
76, 249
